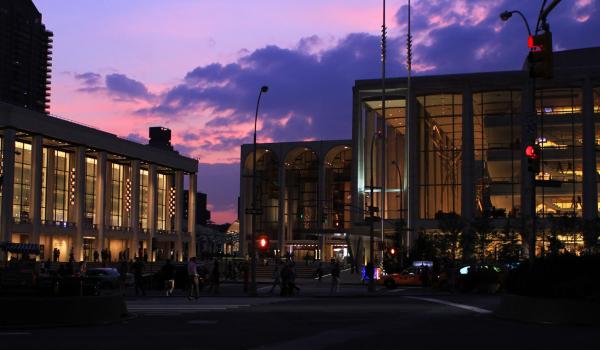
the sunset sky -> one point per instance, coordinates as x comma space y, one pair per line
196, 66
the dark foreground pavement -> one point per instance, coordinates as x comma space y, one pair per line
399, 319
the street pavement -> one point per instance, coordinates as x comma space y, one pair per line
403, 318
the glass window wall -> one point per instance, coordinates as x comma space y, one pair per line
301, 196
116, 195
440, 154
338, 184
90, 191
143, 206
560, 135
497, 146
22, 182
62, 161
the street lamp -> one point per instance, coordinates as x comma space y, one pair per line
370, 271
401, 206
255, 209
506, 15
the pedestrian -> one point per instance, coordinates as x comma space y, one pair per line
56, 254
425, 276
215, 276
320, 271
335, 276
285, 276
96, 256
123, 270
292, 281
169, 276
192, 269
245, 275
276, 278
138, 277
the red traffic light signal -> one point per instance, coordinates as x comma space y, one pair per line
263, 242
540, 56
532, 152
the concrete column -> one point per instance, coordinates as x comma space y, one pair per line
468, 164
192, 214
179, 211
321, 204
79, 206
35, 196
590, 175
152, 207
281, 209
101, 165
242, 217
411, 167
8, 182
135, 207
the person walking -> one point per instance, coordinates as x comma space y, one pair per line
335, 276
123, 270
215, 277
320, 272
169, 276
138, 277
276, 278
96, 256
192, 269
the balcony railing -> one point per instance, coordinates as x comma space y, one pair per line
63, 224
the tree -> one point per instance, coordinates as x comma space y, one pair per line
452, 225
483, 228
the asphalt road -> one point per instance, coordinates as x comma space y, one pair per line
406, 318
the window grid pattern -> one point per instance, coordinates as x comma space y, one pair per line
22, 181
90, 190
143, 205
116, 195
61, 186
440, 154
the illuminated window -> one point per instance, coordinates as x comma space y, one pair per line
116, 195
90, 190
143, 215
497, 134
440, 154
61, 186
163, 202
22, 181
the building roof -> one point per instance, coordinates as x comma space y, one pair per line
37, 123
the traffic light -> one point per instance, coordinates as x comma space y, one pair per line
534, 155
540, 55
263, 242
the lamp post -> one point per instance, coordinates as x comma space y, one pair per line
529, 127
531, 122
401, 209
255, 209
370, 271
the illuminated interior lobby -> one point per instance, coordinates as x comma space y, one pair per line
77, 189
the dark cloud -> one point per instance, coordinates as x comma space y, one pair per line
89, 78
126, 88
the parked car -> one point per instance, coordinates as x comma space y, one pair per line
108, 277
412, 276
485, 278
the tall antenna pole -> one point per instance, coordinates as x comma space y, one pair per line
408, 107
383, 128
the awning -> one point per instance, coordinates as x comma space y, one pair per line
21, 248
